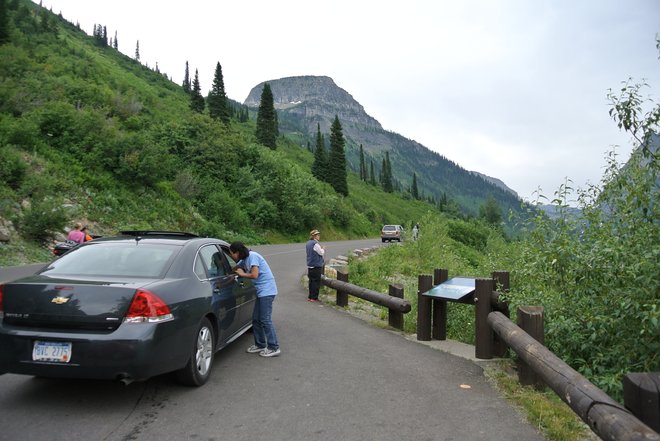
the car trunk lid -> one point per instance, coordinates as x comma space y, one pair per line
72, 303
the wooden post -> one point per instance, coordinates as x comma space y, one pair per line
342, 297
424, 283
395, 318
483, 333
440, 307
641, 395
502, 282
530, 320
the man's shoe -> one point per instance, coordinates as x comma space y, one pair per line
254, 349
270, 352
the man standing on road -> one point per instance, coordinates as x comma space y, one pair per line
315, 264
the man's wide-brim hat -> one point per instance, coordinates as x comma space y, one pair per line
313, 233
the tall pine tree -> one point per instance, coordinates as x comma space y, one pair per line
320, 163
197, 103
187, 85
372, 176
413, 190
337, 159
137, 51
386, 174
363, 166
4, 22
115, 45
218, 104
267, 130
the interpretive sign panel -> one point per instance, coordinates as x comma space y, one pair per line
456, 289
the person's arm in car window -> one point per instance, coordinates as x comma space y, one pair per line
253, 274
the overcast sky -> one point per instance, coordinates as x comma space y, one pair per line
515, 89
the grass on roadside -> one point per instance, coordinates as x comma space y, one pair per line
544, 409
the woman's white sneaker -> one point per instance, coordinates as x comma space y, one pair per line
270, 352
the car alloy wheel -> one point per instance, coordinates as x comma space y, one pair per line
204, 354
198, 369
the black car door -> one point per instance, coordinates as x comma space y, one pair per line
221, 283
244, 291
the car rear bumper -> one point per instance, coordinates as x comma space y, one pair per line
131, 352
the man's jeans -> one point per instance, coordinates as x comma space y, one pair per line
262, 323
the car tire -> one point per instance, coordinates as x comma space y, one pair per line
383, 240
198, 369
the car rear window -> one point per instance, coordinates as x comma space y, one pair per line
389, 228
115, 259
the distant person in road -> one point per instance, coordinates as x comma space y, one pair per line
76, 235
252, 265
415, 231
315, 252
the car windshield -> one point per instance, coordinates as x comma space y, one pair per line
114, 259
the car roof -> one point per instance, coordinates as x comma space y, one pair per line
153, 236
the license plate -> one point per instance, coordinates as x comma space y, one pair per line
51, 351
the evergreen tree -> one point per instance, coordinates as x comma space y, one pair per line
187, 85
490, 211
267, 130
442, 203
372, 177
386, 174
218, 104
115, 45
337, 176
197, 103
104, 36
243, 114
363, 166
45, 23
320, 163
4, 22
413, 191
137, 51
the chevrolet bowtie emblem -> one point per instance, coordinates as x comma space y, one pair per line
60, 300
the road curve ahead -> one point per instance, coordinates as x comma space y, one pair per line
338, 378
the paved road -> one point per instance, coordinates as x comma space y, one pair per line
338, 378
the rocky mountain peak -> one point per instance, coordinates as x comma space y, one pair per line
316, 98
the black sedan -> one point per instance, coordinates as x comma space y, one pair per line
126, 308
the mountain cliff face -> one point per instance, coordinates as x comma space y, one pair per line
303, 102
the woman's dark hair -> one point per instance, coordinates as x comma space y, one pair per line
240, 248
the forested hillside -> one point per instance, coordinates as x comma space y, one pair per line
89, 134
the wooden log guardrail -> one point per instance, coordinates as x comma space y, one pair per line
607, 418
396, 304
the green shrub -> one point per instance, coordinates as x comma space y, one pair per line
468, 233
43, 219
12, 167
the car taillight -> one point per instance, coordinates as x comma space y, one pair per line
147, 307
2, 305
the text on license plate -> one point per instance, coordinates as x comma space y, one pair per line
51, 351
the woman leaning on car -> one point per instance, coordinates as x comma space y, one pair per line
252, 265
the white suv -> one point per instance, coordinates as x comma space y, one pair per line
391, 232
